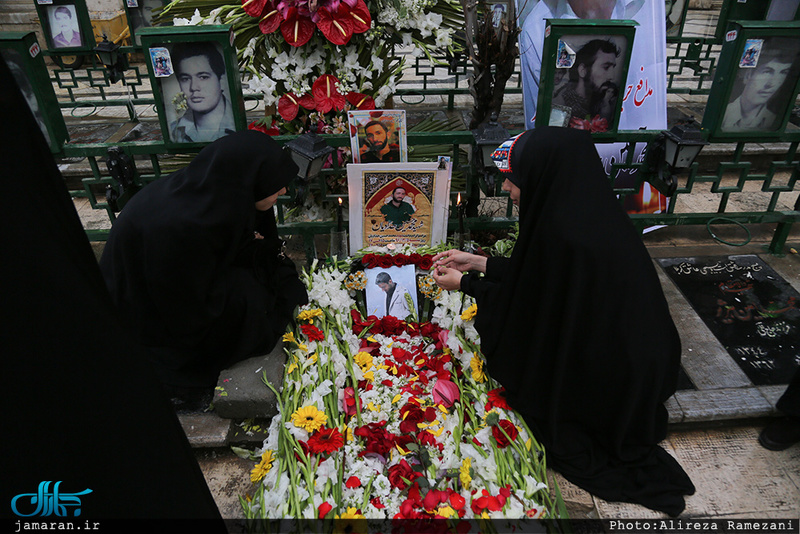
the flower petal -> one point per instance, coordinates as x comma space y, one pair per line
360, 100
296, 29
360, 17
288, 106
326, 96
254, 8
270, 19
337, 27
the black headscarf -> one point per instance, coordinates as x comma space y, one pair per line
174, 260
83, 406
579, 332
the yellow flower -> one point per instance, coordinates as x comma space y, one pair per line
477, 369
364, 360
262, 468
463, 474
347, 522
309, 315
445, 511
309, 418
351, 513
369, 376
288, 337
470, 312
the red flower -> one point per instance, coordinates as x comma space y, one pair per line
360, 20
296, 29
326, 440
349, 401
398, 260
326, 96
261, 127
324, 508
385, 261
488, 501
457, 501
312, 332
360, 101
445, 393
289, 105
376, 502
377, 439
392, 326
429, 330
433, 498
254, 8
336, 26
402, 474
497, 399
270, 19
426, 262
353, 482
510, 429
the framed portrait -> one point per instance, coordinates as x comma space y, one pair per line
196, 84
140, 15
398, 203
755, 10
22, 54
675, 11
584, 72
391, 291
756, 83
378, 136
66, 25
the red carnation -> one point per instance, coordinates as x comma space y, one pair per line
497, 399
510, 430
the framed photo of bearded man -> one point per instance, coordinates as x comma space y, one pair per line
756, 83
378, 136
196, 84
584, 70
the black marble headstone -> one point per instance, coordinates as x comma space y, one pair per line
750, 309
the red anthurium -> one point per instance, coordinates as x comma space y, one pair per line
445, 393
326, 96
353, 482
289, 105
270, 20
336, 26
360, 101
254, 8
296, 28
361, 20
324, 508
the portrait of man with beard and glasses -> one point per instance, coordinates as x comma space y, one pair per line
592, 88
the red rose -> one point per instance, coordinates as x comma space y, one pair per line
398, 260
510, 430
426, 263
369, 260
385, 261
391, 325
415, 258
415, 415
401, 471
376, 502
376, 439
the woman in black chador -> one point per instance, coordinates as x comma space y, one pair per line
194, 262
575, 326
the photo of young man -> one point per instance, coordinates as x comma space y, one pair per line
64, 27
200, 70
764, 89
378, 147
398, 210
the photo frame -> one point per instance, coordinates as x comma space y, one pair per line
755, 10
386, 291
140, 16
196, 84
378, 136
584, 73
501, 12
675, 11
756, 82
66, 25
381, 214
23, 55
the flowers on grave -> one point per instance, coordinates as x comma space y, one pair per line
316, 59
381, 418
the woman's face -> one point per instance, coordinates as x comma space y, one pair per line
512, 190
266, 203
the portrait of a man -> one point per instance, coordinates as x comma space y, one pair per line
592, 89
141, 16
398, 209
377, 147
762, 91
396, 301
64, 27
201, 75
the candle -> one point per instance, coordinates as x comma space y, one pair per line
339, 221
460, 208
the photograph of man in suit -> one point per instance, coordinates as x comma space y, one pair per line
396, 301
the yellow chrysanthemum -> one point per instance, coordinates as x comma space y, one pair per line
364, 360
463, 472
351, 513
262, 468
470, 312
309, 315
309, 418
476, 364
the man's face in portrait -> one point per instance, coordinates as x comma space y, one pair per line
63, 22
764, 81
376, 137
200, 84
398, 195
601, 74
385, 286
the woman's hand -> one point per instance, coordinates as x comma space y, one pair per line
460, 260
447, 278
